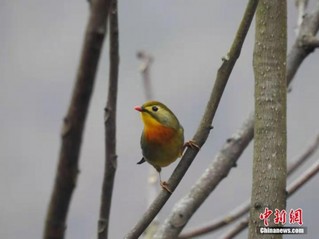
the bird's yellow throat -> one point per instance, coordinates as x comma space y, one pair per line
149, 121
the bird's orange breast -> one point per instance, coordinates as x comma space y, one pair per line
158, 134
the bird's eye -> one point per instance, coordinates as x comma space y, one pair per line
155, 108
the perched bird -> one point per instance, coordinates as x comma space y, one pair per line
162, 139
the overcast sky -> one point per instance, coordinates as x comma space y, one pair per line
39, 54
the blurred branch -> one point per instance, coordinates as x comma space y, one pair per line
300, 49
73, 125
244, 208
237, 229
110, 127
145, 69
311, 42
292, 167
292, 188
301, 6
304, 178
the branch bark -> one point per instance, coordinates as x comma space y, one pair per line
270, 129
300, 50
73, 125
110, 127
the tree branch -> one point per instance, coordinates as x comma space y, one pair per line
311, 42
110, 127
145, 69
300, 50
292, 188
292, 167
301, 6
205, 126
244, 208
73, 125
270, 129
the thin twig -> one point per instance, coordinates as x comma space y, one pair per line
312, 148
244, 208
236, 230
301, 6
145, 69
110, 127
300, 50
204, 128
310, 42
292, 188
73, 125
304, 178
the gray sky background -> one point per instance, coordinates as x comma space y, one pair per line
40, 47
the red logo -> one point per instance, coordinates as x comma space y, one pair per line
295, 216
264, 216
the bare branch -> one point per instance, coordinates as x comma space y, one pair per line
110, 127
311, 42
300, 50
304, 178
301, 8
244, 208
304, 156
145, 69
73, 125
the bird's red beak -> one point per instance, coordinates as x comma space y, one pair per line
138, 108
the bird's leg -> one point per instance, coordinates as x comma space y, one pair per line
163, 184
192, 144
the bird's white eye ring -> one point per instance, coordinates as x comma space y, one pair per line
155, 108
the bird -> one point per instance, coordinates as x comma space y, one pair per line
162, 139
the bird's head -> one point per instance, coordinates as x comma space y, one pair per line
155, 113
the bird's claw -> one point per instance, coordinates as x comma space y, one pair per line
191, 144
164, 185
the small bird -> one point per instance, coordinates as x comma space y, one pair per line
162, 139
